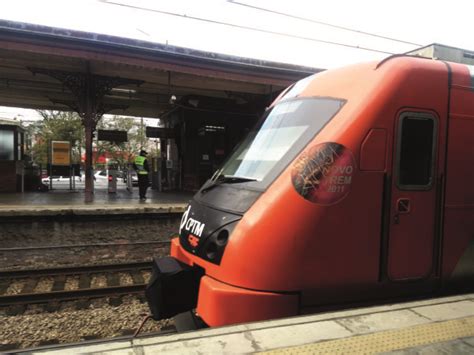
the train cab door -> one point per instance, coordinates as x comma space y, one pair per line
412, 226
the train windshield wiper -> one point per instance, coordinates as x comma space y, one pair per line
226, 179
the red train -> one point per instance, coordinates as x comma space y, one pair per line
357, 183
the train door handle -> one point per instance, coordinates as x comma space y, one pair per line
403, 207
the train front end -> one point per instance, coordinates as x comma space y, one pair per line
311, 211
241, 239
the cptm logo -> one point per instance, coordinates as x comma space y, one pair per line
193, 240
192, 226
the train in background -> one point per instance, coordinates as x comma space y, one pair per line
356, 184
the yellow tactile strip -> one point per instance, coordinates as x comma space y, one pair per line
388, 340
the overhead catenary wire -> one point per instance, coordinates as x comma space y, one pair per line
323, 23
250, 28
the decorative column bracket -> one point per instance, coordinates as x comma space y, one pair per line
104, 109
88, 90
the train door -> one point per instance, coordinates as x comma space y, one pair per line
413, 197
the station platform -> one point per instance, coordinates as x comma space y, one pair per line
438, 325
64, 202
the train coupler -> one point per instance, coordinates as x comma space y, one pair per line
173, 287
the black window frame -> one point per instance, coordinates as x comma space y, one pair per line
417, 116
293, 151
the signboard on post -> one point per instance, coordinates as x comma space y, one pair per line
112, 136
159, 132
60, 153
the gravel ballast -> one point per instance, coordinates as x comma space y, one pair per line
63, 242
69, 325
81, 242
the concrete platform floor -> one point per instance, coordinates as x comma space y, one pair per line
442, 325
65, 201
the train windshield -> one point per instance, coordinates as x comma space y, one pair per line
284, 131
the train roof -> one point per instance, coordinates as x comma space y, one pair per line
444, 52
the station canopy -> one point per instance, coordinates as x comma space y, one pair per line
39, 65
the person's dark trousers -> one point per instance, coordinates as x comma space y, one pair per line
142, 185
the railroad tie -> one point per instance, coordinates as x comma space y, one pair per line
113, 279
4, 284
84, 281
59, 283
137, 277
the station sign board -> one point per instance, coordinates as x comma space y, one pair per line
112, 136
160, 132
60, 153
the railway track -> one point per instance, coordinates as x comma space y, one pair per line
163, 243
54, 345
27, 282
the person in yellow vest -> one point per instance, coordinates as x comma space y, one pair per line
142, 169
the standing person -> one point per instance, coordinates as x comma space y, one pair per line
142, 169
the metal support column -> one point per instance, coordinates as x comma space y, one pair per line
88, 174
88, 91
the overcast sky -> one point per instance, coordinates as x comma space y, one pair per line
230, 27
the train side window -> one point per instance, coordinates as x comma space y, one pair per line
416, 151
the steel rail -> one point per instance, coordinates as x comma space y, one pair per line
52, 296
96, 245
74, 270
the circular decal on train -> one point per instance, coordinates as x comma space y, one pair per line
323, 174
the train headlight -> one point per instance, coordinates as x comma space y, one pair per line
211, 250
222, 237
214, 247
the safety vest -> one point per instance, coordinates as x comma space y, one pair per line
140, 163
